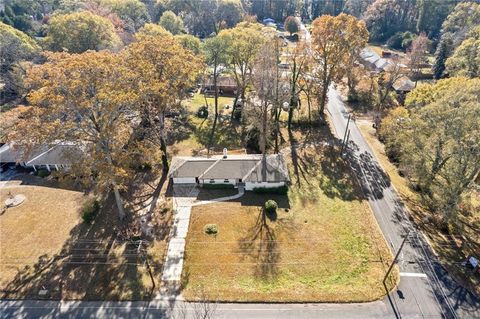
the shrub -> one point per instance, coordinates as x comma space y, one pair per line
292, 25
271, 206
210, 229
218, 186
43, 173
146, 166
202, 112
401, 40
89, 210
282, 190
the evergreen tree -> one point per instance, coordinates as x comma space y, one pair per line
441, 56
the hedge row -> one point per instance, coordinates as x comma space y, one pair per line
218, 186
282, 190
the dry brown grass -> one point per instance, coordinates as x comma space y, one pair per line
37, 227
323, 245
45, 245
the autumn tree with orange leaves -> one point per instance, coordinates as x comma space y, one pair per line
165, 71
87, 99
110, 105
336, 41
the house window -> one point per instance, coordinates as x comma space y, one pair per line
212, 181
226, 181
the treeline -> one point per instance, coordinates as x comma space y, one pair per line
435, 139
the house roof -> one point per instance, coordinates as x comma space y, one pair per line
56, 154
11, 153
222, 81
250, 168
60, 154
404, 84
230, 168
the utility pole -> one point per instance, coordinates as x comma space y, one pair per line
396, 256
345, 143
141, 251
345, 134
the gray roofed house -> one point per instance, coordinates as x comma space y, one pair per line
249, 170
403, 85
60, 155
11, 153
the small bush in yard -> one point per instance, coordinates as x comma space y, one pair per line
210, 229
89, 210
43, 173
271, 206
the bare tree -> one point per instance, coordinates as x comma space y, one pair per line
417, 54
265, 81
385, 81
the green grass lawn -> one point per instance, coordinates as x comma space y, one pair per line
198, 100
323, 245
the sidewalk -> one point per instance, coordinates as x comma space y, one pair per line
183, 201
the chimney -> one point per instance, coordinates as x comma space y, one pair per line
224, 152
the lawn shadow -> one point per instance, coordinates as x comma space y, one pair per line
96, 262
227, 134
337, 179
260, 245
209, 194
258, 199
179, 129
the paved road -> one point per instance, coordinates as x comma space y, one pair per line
425, 290
158, 310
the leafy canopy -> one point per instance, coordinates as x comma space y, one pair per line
437, 139
80, 31
171, 22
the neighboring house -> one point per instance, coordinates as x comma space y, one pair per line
374, 62
48, 157
251, 171
226, 85
403, 85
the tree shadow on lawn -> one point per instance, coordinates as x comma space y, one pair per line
259, 199
323, 165
179, 129
336, 177
227, 134
85, 268
260, 244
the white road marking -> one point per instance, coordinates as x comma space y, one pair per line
413, 274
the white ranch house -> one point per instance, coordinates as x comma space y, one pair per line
50, 157
249, 170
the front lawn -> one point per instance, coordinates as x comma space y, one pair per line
46, 246
323, 245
